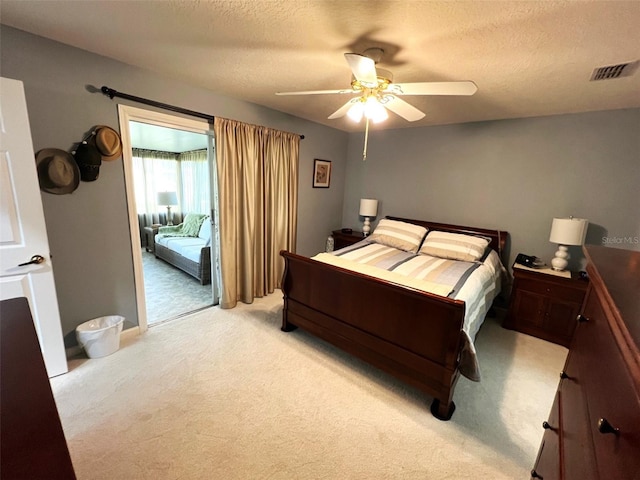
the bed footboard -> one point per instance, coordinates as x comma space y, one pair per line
413, 335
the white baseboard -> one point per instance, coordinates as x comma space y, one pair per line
130, 333
73, 351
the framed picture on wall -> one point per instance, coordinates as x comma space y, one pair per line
321, 173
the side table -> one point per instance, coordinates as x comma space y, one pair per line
150, 234
341, 239
545, 303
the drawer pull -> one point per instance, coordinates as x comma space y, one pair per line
535, 474
563, 375
582, 318
547, 426
605, 427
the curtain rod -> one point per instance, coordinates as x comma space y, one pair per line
110, 92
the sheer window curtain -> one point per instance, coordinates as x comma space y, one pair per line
154, 172
186, 174
195, 193
257, 171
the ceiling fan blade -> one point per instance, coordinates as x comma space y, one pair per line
316, 92
433, 88
402, 108
363, 68
342, 111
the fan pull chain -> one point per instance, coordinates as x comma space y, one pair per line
366, 139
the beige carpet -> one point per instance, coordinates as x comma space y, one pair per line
227, 395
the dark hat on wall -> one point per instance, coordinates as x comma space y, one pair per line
89, 160
107, 141
58, 172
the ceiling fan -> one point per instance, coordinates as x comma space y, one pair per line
375, 92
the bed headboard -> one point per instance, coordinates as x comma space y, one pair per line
498, 237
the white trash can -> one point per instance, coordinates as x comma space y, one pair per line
101, 336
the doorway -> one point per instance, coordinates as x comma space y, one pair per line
160, 153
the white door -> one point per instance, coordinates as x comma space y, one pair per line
22, 229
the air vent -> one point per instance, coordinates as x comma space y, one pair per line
614, 71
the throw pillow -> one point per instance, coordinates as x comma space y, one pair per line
402, 235
191, 224
454, 246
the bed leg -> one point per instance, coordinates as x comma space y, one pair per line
286, 326
442, 411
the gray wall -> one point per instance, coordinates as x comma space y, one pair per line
514, 175
89, 229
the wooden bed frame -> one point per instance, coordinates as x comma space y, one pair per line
413, 335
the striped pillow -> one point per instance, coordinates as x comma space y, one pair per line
454, 246
401, 235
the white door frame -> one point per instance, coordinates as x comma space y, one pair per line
127, 114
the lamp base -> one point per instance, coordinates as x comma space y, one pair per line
366, 228
560, 261
169, 216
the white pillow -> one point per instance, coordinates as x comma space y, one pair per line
205, 231
454, 246
396, 234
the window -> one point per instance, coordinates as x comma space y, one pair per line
186, 173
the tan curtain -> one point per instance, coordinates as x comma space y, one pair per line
257, 171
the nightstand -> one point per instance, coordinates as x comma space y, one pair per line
545, 303
150, 233
341, 239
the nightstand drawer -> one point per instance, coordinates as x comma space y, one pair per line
554, 290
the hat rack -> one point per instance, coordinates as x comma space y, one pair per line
84, 140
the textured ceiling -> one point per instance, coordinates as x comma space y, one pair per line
527, 58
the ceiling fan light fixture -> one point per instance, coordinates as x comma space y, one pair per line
374, 110
373, 91
356, 111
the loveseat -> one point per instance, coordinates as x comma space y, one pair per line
187, 246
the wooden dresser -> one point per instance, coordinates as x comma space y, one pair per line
593, 430
32, 442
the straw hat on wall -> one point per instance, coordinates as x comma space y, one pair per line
108, 142
58, 172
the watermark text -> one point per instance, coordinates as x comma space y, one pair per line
621, 240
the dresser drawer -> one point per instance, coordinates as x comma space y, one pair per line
576, 440
555, 290
612, 396
547, 465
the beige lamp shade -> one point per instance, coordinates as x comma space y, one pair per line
568, 231
167, 198
368, 207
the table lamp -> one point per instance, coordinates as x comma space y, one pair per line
566, 231
368, 208
168, 199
